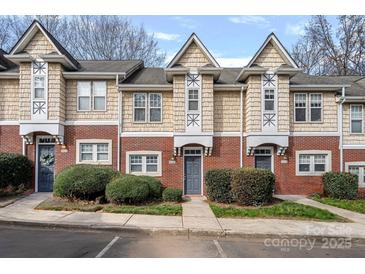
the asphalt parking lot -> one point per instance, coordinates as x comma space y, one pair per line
20, 242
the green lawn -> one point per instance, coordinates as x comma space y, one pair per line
353, 205
170, 209
285, 210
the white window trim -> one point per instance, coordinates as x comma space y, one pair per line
312, 172
93, 96
362, 120
94, 161
199, 111
45, 99
308, 108
149, 108
361, 182
158, 173
146, 107
91, 100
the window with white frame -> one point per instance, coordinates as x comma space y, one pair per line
308, 107
357, 168
315, 107
39, 89
92, 151
155, 107
147, 107
144, 163
300, 102
356, 117
269, 98
193, 99
39, 86
91, 95
312, 163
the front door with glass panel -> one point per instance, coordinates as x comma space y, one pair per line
46, 161
263, 158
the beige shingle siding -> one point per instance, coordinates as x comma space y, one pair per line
329, 118
283, 104
9, 99
207, 103
111, 112
25, 91
348, 138
179, 103
39, 45
270, 58
252, 111
167, 114
227, 111
193, 57
56, 101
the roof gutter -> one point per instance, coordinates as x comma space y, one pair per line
9, 75
91, 75
218, 87
317, 87
143, 87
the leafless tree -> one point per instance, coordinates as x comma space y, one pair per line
91, 37
325, 51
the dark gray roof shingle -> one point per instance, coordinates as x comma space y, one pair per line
147, 76
228, 76
108, 66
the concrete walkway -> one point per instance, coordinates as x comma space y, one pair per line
347, 214
197, 219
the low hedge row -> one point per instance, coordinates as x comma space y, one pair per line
246, 186
15, 171
88, 182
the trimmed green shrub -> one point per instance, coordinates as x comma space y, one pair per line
218, 182
86, 182
251, 186
15, 170
128, 189
340, 185
154, 185
172, 195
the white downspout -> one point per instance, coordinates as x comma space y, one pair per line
119, 122
23, 147
241, 128
342, 100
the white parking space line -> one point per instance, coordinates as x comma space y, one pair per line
220, 249
102, 253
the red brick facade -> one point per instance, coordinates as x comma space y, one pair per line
225, 154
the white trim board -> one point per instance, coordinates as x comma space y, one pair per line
147, 134
9, 123
354, 146
91, 123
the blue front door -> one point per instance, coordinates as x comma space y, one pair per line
46, 161
192, 175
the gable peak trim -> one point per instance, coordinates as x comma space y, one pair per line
193, 39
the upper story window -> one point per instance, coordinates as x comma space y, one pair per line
39, 90
39, 86
269, 100
308, 107
91, 95
193, 100
356, 117
147, 107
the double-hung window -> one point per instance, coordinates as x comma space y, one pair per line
313, 163
269, 100
193, 100
147, 107
39, 86
315, 107
91, 95
308, 107
356, 118
91, 151
144, 163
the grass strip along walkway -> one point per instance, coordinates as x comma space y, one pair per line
352, 205
283, 210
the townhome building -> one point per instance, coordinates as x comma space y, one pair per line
179, 121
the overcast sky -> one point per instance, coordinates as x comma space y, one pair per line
232, 40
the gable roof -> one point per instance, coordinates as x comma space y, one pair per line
29, 34
5, 63
273, 38
193, 39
